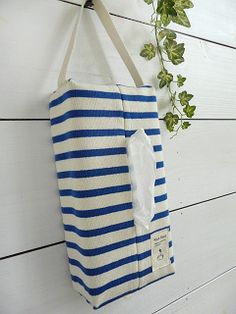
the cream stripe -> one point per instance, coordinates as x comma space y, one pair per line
94, 182
88, 123
85, 103
97, 202
89, 143
91, 162
98, 123
94, 142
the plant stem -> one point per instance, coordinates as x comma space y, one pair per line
161, 59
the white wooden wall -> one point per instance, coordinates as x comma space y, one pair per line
200, 163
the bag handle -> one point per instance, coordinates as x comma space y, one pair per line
106, 20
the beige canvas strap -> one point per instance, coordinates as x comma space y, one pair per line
106, 20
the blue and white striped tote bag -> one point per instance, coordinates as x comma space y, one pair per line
111, 180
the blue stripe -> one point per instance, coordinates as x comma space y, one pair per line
99, 94
92, 172
113, 228
103, 114
83, 93
141, 98
99, 133
157, 148
96, 192
160, 198
140, 115
113, 283
97, 152
160, 215
103, 211
110, 247
99, 231
87, 113
88, 133
160, 181
91, 153
128, 133
105, 191
96, 212
160, 164
100, 172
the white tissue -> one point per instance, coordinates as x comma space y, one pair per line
142, 168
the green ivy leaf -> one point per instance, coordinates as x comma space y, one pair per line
165, 78
166, 7
166, 10
189, 110
184, 98
184, 4
171, 120
170, 35
185, 125
180, 80
162, 34
148, 52
174, 51
165, 19
148, 1
181, 18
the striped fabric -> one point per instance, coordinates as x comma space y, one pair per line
108, 255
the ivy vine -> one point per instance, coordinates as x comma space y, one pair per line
164, 12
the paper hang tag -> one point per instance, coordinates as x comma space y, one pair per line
160, 249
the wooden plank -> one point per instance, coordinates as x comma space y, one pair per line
217, 297
33, 44
199, 165
203, 17
30, 215
204, 243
